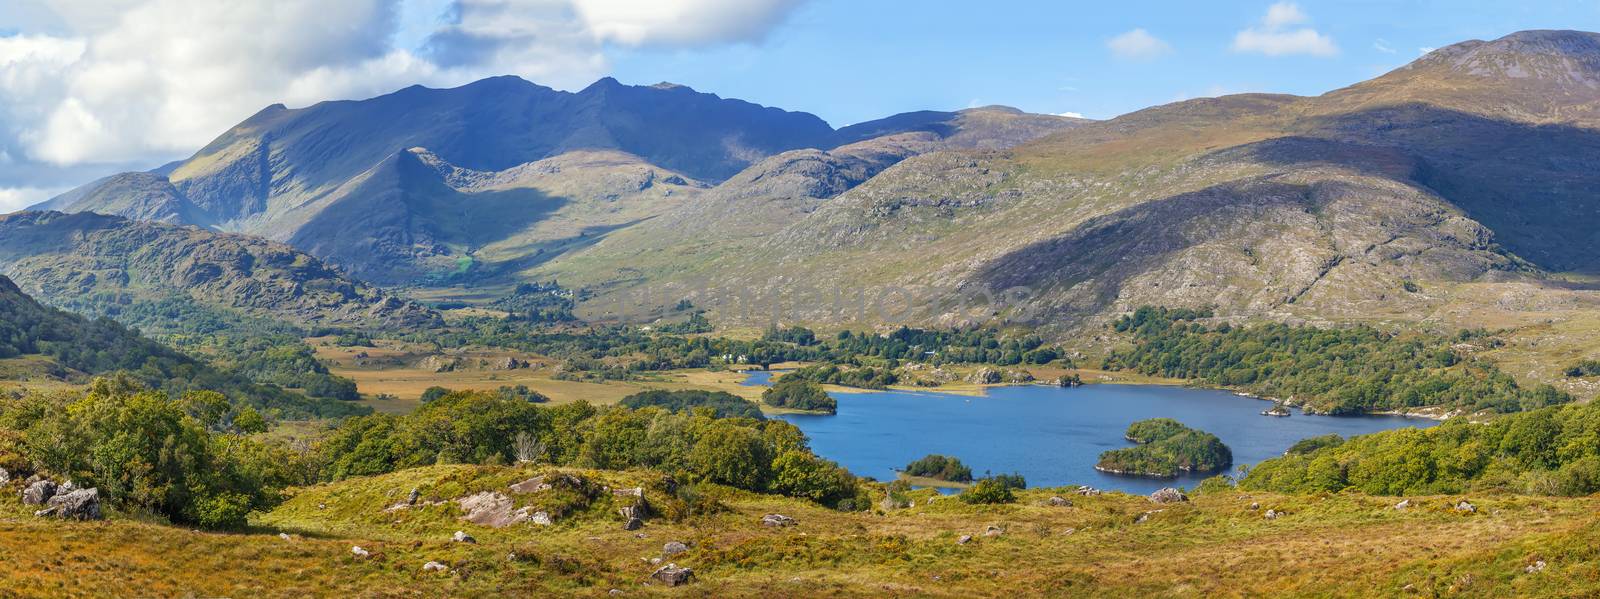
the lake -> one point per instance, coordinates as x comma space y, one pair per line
1052, 436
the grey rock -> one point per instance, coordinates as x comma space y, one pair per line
39, 492
673, 575
1466, 507
777, 520
463, 537
1059, 501
985, 376
964, 540
1535, 567
435, 567
1404, 503
541, 518
5, 477
1168, 495
633, 524
412, 498
80, 504
359, 552
1272, 514
674, 548
993, 531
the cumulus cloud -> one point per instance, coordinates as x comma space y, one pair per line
119, 81
1137, 44
1277, 35
1071, 115
13, 199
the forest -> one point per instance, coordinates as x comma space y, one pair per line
1350, 370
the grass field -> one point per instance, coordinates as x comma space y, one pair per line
1108, 545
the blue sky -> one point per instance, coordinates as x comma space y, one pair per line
850, 61
92, 87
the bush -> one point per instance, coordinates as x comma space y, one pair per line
940, 467
988, 491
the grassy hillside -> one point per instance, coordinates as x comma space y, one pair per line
1112, 544
43, 344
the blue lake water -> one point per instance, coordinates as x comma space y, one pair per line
1052, 436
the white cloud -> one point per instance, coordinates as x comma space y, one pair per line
116, 81
1137, 44
1284, 14
13, 199
1382, 46
1071, 115
1423, 51
1277, 36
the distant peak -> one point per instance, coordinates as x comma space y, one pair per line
602, 84
995, 108
670, 85
1572, 56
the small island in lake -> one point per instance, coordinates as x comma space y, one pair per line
797, 393
1165, 448
1278, 409
940, 467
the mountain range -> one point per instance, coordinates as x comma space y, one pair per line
1461, 181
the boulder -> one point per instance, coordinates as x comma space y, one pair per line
1254, 506
541, 518
673, 575
673, 548
1466, 508
491, 509
5, 477
359, 552
1087, 491
1019, 376
79, 504
508, 363
985, 376
39, 492
1168, 495
1404, 503
1535, 567
412, 498
633, 524
463, 537
993, 531
1058, 501
435, 567
438, 364
964, 540
777, 520
1272, 514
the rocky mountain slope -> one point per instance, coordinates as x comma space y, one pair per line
162, 275
427, 185
1388, 199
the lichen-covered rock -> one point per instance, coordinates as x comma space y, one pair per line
985, 376
39, 492
491, 509
462, 537
777, 520
435, 567
673, 575
1058, 501
673, 548
78, 504
1168, 495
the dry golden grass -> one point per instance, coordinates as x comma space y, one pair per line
1214, 546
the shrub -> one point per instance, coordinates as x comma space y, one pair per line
988, 491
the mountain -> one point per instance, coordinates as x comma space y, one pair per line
179, 278
1456, 184
40, 343
482, 181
